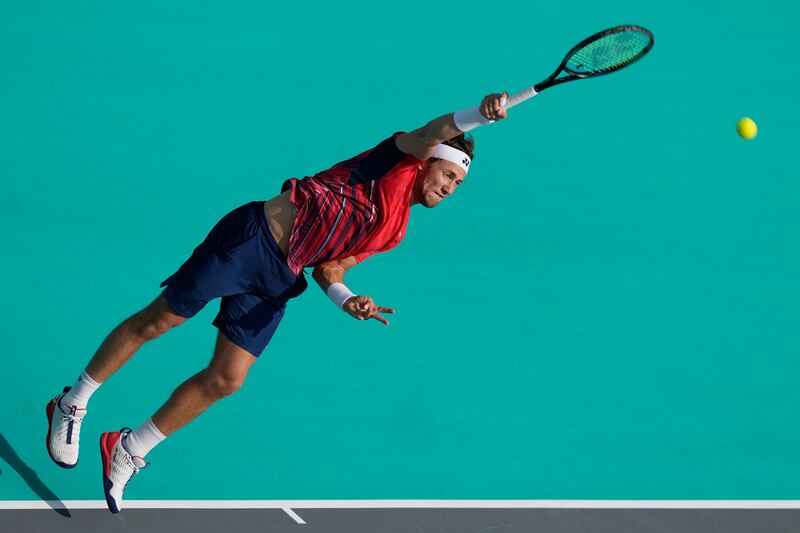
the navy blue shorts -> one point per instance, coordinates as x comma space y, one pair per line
239, 261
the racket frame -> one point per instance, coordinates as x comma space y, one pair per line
525, 94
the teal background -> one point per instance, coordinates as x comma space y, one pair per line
607, 308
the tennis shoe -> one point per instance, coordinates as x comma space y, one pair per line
118, 467
63, 431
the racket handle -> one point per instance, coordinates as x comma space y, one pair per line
518, 98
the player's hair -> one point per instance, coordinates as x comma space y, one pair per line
463, 143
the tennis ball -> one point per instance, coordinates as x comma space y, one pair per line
746, 128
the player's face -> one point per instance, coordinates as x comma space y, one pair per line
438, 180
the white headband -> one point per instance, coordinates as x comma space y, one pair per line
454, 155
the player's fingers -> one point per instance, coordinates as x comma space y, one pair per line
502, 114
380, 319
499, 109
490, 102
382, 309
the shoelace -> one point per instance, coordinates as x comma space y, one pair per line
130, 462
75, 418
71, 417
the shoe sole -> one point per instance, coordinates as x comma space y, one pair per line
49, 410
105, 455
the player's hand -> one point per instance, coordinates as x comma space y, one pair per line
363, 308
491, 108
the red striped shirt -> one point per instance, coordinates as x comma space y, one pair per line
356, 208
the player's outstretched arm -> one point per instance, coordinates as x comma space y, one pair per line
422, 141
330, 277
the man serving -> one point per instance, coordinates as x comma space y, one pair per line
253, 258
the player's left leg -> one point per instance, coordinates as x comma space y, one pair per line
224, 376
246, 324
123, 451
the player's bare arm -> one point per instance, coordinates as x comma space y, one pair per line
422, 142
332, 272
358, 306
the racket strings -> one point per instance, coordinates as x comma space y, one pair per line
610, 52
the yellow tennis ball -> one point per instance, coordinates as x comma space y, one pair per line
746, 128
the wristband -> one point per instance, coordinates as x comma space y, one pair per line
339, 294
469, 119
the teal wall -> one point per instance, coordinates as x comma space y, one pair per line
607, 308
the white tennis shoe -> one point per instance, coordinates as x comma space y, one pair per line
118, 467
63, 431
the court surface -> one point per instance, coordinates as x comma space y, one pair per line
606, 310
400, 516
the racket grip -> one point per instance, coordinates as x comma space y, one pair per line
518, 98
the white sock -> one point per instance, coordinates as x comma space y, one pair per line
143, 439
80, 393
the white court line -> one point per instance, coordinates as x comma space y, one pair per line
293, 515
408, 504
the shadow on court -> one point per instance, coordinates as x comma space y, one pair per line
13, 460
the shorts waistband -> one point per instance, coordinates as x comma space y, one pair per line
274, 248
258, 205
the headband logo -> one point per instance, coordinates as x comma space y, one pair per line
465, 162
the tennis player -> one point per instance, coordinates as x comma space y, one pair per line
253, 258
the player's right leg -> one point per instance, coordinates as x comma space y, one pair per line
65, 412
229, 261
146, 325
216, 267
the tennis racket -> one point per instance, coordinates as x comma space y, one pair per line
603, 53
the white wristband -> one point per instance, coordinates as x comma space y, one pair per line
469, 119
339, 294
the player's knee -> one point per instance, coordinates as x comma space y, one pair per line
155, 320
152, 327
220, 385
